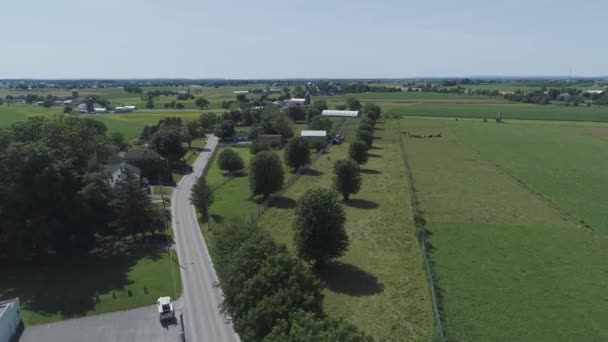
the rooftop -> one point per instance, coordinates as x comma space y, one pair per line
349, 113
313, 133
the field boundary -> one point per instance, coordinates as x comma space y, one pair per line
421, 236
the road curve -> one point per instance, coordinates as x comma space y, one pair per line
202, 318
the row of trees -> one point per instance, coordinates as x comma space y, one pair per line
55, 193
270, 295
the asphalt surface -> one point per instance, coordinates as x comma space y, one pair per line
202, 318
137, 325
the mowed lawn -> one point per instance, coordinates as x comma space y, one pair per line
509, 265
91, 285
379, 285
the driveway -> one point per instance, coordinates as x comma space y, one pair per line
137, 325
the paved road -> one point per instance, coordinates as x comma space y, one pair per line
202, 318
137, 325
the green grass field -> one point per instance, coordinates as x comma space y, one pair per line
91, 285
510, 265
379, 285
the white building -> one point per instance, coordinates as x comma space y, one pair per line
311, 136
10, 319
341, 113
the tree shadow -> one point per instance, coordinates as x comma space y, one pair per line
378, 129
376, 148
282, 202
370, 172
349, 279
377, 138
311, 172
373, 155
235, 174
361, 203
71, 287
217, 218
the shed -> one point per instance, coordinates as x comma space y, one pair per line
10, 319
341, 113
314, 136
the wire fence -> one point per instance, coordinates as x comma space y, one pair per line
422, 237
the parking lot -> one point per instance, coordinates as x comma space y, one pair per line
137, 325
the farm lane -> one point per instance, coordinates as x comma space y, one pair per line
203, 320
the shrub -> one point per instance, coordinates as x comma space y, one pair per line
229, 160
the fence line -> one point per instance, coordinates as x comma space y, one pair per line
421, 235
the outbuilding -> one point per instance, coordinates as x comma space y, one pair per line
341, 113
314, 136
11, 325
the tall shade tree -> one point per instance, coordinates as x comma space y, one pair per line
201, 102
320, 123
372, 111
201, 196
353, 104
208, 121
168, 142
320, 105
192, 131
225, 130
366, 136
358, 152
306, 327
229, 160
266, 174
347, 178
297, 153
319, 227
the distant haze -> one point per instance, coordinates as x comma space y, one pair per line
303, 39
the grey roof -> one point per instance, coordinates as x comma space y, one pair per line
111, 168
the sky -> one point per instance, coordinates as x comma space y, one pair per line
243, 39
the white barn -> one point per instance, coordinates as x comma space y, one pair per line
312, 136
341, 113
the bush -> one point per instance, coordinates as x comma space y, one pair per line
366, 127
258, 147
358, 151
347, 178
266, 174
230, 161
319, 226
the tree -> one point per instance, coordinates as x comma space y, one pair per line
67, 109
118, 140
312, 113
201, 196
347, 178
229, 160
319, 227
1, 102
266, 174
296, 113
320, 105
201, 102
133, 210
225, 130
353, 104
168, 143
47, 103
235, 115
192, 131
366, 127
297, 153
372, 111
340, 107
358, 151
241, 98
150, 103
208, 121
306, 327
321, 123
179, 105
366, 136
226, 104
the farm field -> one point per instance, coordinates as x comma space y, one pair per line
510, 264
379, 285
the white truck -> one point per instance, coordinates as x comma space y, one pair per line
165, 308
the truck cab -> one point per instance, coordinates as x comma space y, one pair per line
165, 308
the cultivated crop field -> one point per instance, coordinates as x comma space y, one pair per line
518, 238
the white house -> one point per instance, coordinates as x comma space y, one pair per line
119, 172
10, 319
341, 113
295, 102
